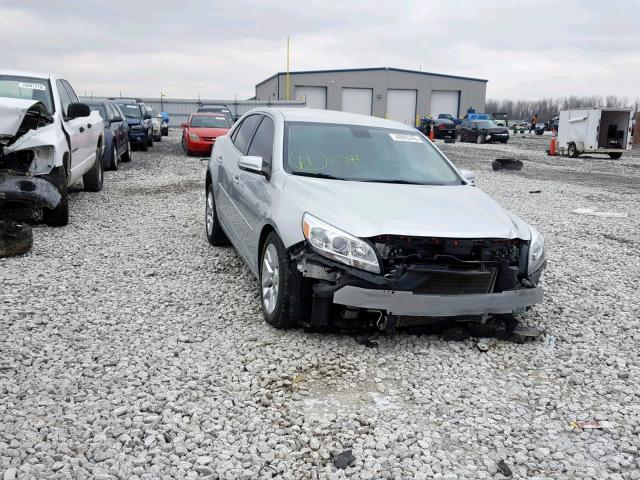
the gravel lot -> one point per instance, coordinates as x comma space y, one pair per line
130, 348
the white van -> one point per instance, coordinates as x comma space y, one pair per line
594, 130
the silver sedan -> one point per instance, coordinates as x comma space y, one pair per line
350, 219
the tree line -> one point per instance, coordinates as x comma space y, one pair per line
548, 107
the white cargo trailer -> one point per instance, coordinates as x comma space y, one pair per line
594, 130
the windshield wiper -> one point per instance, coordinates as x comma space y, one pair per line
316, 175
399, 181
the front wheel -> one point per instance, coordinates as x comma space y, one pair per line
150, 139
126, 156
573, 150
615, 155
285, 293
481, 139
458, 137
94, 178
215, 234
113, 164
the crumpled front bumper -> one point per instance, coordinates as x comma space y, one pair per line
396, 302
31, 190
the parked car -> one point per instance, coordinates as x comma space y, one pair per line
48, 141
139, 121
552, 124
540, 128
448, 116
481, 131
217, 109
501, 119
156, 123
199, 134
519, 126
478, 116
165, 123
442, 127
351, 218
116, 133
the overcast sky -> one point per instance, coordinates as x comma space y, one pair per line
222, 48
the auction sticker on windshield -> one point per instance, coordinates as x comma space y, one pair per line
405, 137
31, 86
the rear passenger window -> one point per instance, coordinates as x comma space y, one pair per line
245, 132
262, 143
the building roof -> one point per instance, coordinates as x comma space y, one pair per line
373, 69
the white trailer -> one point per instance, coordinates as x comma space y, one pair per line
594, 130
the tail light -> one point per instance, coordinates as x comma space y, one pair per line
442, 126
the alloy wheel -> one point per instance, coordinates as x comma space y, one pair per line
209, 212
270, 279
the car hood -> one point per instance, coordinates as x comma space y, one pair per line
12, 112
208, 132
370, 209
133, 121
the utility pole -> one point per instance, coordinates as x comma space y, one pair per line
162, 95
288, 80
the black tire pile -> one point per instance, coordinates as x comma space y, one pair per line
15, 238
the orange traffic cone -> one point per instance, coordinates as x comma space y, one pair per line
552, 147
432, 133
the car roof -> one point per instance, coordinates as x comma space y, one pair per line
208, 114
333, 116
212, 105
24, 73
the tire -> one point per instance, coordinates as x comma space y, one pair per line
185, 148
458, 137
113, 164
572, 151
615, 155
94, 178
143, 147
215, 234
289, 303
481, 139
126, 156
504, 141
150, 139
539, 132
15, 238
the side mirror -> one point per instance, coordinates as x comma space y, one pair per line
116, 119
183, 125
250, 164
75, 110
469, 176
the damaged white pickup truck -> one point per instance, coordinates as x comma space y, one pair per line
48, 141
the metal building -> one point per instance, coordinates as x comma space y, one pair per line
403, 95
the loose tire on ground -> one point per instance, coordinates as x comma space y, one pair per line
215, 234
15, 238
290, 302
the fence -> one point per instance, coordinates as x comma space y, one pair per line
180, 109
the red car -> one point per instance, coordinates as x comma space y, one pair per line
200, 133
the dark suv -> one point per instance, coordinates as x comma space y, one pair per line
139, 120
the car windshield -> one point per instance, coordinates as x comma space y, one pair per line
364, 154
486, 124
27, 88
100, 109
130, 110
209, 121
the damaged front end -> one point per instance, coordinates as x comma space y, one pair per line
422, 279
27, 150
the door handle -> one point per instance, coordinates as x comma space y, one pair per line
236, 179
88, 125
219, 159
81, 129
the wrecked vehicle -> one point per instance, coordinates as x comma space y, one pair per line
48, 140
354, 220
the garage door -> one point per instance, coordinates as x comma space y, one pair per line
316, 96
444, 101
357, 100
401, 106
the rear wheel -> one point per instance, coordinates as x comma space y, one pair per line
94, 178
284, 292
615, 155
573, 150
458, 137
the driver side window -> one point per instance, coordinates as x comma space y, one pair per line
65, 100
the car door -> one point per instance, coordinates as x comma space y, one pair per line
251, 192
231, 150
75, 128
115, 123
88, 135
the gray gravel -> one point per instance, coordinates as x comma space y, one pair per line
130, 348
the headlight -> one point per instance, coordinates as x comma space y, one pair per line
537, 253
333, 243
193, 137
